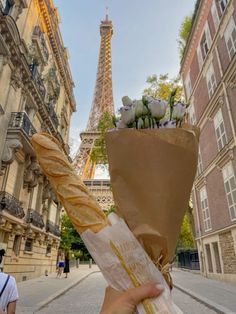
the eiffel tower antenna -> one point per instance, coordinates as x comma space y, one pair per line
107, 11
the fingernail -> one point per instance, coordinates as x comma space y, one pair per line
160, 287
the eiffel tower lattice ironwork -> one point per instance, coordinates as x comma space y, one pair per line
102, 102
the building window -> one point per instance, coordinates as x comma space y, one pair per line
209, 259
48, 249
16, 244
222, 5
199, 165
230, 37
220, 130
215, 15
188, 86
192, 115
205, 42
29, 245
204, 46
199, 57
217, 256
205, 209
211, 80
230, 188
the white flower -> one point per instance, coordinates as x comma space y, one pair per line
158, 108
127, 114
140, 123
120, 125
127, 101
139, 108
179, 110
169, 124
148, 99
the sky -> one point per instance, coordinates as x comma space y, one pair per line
144, 43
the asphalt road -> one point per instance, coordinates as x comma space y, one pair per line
87, 296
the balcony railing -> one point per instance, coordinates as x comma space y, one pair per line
52, 228
5, 6
37, 79
52, 114
37, 33
20, 120
35, 218
10, 204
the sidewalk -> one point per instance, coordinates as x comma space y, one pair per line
36, 293
218, 295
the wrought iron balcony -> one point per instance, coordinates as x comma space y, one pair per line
39, 39
10, 204
5, 6
20, 120
35, 218
37, 79
52, 228
52, 114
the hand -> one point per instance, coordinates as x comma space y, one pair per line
116, 302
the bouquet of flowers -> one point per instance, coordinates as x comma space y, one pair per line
152, 170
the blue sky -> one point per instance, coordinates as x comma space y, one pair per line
144, 43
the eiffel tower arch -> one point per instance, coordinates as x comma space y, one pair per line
102, 102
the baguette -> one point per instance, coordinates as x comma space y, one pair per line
81, 207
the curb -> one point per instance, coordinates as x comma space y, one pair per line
56, 295
208, 303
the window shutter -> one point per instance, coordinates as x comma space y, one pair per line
199, 56
215, 15
208, 35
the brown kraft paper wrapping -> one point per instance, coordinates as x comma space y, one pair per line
152, 172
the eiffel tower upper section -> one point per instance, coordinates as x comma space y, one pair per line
102, 102
103, 95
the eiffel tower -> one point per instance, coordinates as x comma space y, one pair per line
102, 102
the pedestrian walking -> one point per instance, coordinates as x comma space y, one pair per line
8, 291
67, 264
60, 265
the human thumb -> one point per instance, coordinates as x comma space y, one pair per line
137, 295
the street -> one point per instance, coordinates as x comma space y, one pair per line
87, 296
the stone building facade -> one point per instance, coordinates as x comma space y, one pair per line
36, 94
208, 70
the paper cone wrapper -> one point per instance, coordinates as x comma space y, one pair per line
152, 173
132, 257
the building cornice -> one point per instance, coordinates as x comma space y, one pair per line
47, 11
11, 36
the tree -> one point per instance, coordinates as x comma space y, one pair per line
185, 240
162, 86
99, 153
184, 32
71, 240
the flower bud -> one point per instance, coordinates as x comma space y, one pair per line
169, 124
139, 108
179, 110
127, 114
127, 101
158, 108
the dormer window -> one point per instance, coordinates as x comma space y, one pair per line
204, 46
222, 5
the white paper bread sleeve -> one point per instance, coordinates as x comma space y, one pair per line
125, 264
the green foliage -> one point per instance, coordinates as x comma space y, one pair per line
111, 209
184, 32
99, 153
185, 240
70, 238
162, 86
